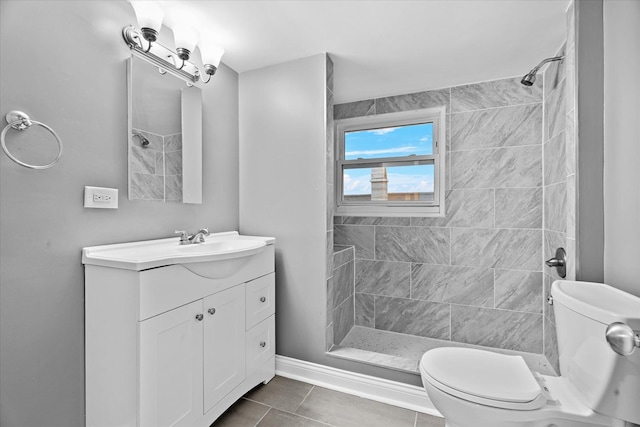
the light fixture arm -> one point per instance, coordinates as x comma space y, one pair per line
155, 54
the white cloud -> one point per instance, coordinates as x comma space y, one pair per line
381, 151
381, 131
356, 186
400, 183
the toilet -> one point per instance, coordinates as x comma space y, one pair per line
597, 387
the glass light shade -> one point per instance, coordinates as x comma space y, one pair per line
185, 36
149, 14
211, 53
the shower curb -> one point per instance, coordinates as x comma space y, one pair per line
381, 390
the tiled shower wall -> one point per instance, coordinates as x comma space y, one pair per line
559, 174
474, 276
156, 170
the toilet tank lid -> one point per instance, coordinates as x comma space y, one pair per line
597, 301
482, 373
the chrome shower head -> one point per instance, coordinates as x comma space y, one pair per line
530, 78
143, 141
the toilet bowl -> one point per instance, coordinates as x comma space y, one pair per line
599, 387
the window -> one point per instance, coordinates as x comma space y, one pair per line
391, 164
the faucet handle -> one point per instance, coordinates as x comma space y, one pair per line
184, 236
204, 231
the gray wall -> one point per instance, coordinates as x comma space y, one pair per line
621, 145
473, 276
64, 64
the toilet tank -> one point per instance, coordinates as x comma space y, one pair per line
607, 382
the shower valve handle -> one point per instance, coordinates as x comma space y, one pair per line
559, 262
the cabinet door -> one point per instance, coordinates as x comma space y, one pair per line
171, 367
224, 352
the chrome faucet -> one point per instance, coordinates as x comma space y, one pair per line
187, 239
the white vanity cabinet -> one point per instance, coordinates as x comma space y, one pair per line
168, 347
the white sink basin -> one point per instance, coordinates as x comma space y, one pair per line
229, 246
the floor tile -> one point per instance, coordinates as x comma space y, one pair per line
345, 410
281, 393
425, 420
276, 418
243, 413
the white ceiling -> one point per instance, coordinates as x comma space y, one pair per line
384, 48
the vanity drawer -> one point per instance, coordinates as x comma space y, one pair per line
260, 344
260, 299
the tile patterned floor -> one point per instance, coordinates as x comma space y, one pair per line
288, 403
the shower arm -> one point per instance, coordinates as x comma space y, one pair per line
555, 58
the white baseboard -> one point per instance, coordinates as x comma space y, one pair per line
378, 389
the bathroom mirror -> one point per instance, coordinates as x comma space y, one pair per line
165, 135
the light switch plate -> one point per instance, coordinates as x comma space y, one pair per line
100, 197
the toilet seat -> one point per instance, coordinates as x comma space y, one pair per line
483, 377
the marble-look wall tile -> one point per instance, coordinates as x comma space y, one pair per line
329, 64
329, 337
555, 72
412, 244
497, 93
173, 188
364, 314
375, 220
570, 142
383, 278
552, 241
570, 57
148, 187
342, 254
497, 248
551, 346
156, 142
518, 290
571, 207
330, 306
343, 320
465, 208
497, 127
143, 160
159, 163
548, 308
519, 208
571, 259
555, 160
337, 220
359, 236
353, 109
497, 167
413, 101
555, 112
329, 254
173, 163
555, 207
343, 280
422, 318
452, 284
173, 142
506, 329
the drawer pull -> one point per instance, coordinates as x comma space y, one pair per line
199, 317
263, 299
262, 343
211, 311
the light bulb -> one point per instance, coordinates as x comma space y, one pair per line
186, 38
149, 15
211, 53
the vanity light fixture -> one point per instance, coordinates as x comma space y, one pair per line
150, 16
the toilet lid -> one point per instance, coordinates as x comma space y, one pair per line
484, 374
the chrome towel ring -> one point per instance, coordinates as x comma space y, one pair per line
20, 121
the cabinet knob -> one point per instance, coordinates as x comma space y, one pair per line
211, 311
199, 317
263, 299
262, 343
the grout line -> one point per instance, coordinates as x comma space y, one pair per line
305, 398
262, 417
415, 421
505, 147
497, 107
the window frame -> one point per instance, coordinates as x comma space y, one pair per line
436, 208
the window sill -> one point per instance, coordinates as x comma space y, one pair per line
391, 211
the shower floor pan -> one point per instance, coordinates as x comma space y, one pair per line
403, 352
